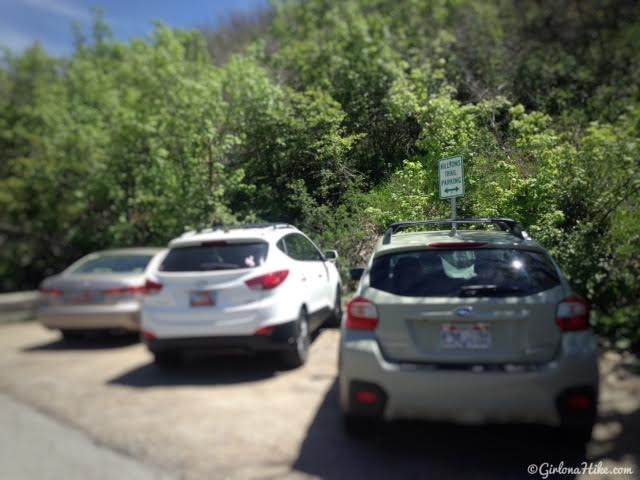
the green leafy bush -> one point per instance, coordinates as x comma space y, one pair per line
334, 118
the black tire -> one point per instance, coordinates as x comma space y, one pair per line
577, 435
296, 356
336, 314
71, 335
167, 359
358, 426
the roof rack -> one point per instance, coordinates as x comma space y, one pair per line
226, 228
504, 224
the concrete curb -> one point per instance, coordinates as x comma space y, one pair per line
18, 301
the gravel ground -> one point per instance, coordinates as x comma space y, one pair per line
243, 417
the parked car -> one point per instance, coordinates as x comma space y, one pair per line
101, 291
467, 326
252, 287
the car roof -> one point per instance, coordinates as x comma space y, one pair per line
500, 239
128, 251
258, 232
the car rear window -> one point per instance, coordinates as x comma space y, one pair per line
114, 264
463, 273
215, 256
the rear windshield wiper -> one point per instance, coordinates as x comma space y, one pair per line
488, 290
218, 266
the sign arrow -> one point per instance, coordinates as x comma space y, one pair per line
447, 190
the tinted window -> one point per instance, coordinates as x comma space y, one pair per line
215, 256
114, 264
481, 272
300, 248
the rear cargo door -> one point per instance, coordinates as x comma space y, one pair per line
473, 306
206, 282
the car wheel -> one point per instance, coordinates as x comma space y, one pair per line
577, 435
358, 425
167, 359
297, 355
71, 335
336, 313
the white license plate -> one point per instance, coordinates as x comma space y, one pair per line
205, 298
81, 298
472, 336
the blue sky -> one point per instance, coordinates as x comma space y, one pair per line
24, 21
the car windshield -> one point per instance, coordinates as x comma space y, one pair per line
463, 273
114, 264
215, 256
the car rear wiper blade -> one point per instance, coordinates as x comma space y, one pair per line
218, 266
488, 290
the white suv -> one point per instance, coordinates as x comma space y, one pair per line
252, 287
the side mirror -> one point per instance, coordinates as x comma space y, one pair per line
356, 273
331, 255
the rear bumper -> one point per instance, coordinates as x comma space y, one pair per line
429, 392
281, 338
167, 321
89, 317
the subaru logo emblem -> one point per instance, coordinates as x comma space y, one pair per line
464, 311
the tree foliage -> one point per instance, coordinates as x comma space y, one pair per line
332, 115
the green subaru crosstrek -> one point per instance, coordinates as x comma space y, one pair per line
470, 326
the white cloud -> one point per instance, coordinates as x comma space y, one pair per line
15, 41
61, 8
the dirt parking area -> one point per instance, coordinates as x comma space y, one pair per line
244, 417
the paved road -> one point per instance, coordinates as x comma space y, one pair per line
33, 445
238, 417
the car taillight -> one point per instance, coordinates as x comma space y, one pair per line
579, 401
361, 315
123, 291
51, 292
265, 331
151, 287
267, 281
148, 335
367, 397
573, 314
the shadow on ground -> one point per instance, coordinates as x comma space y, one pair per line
97, 341
433, 450
203, 370
622, 417
624, 446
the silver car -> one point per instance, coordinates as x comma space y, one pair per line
101, 291
468, 326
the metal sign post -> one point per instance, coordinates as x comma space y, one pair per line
451, 179
454, 230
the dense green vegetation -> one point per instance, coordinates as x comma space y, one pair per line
332, 116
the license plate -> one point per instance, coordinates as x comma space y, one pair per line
81, 298
472, 336
203, 299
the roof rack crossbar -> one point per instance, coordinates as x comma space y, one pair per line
226, 228
504, 224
